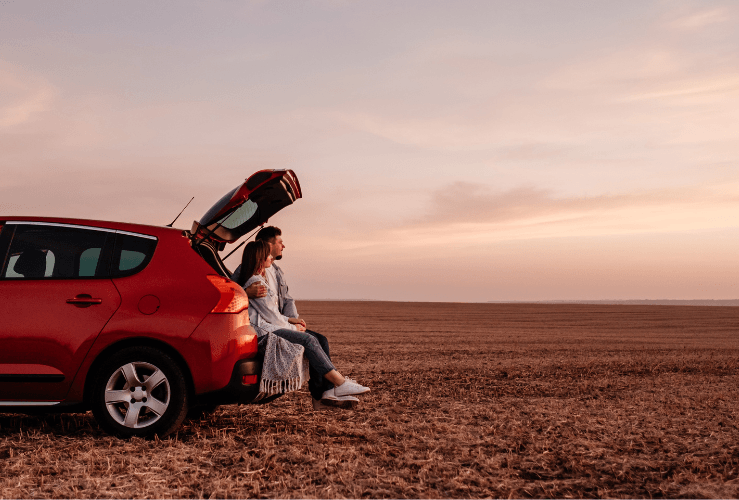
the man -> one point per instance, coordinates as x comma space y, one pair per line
286, 304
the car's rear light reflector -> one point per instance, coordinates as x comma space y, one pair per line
233, 298
248, 379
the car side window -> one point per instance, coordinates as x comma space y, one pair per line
132, 253
39, 251
49, 265
89, 260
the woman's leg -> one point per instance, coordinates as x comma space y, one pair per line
321, 340
322, 384
319, 364
335, 378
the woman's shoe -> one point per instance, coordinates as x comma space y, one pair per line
330, 395
346, 402
343, 402
349, 387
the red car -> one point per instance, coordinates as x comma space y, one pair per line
137, 323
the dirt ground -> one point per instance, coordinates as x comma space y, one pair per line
468, 400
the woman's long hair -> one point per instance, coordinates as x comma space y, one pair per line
255, 253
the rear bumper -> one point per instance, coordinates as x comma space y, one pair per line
217, 347
242, 388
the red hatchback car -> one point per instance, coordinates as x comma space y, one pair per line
137, 323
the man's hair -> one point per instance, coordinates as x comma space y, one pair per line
268, 233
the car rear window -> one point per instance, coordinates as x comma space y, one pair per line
239, 216
45, 252
132, 253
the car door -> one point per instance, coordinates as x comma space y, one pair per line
56, 295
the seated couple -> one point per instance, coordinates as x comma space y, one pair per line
272, 310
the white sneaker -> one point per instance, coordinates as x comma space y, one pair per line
345, 402
330, 395
351, 399
350, 387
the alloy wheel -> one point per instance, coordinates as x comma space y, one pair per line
137, 394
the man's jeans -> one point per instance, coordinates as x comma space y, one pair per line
319, 359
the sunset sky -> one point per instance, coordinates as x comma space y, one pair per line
448, 151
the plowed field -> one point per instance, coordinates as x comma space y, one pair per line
468, 400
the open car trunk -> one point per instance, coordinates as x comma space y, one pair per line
241, 210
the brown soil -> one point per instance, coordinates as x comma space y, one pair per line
468, 400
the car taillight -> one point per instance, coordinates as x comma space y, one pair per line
233, 298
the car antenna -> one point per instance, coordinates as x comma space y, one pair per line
178, 215
242, 243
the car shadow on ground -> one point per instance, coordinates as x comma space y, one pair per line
66, 424
19, 426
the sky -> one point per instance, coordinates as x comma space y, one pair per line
455, 151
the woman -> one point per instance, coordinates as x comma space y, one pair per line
264, 315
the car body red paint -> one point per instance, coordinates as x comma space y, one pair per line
76, 293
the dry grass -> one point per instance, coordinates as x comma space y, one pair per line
468, 400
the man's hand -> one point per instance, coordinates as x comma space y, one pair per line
298, 321
256, 290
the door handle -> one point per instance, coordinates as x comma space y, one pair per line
84, 300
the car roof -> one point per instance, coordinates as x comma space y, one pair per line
157, 231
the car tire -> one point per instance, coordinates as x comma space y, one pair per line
139, 391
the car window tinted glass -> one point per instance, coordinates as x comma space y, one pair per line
48, 252
240, 215
50, 260
215, 209
131, 254
89, 261
130, 260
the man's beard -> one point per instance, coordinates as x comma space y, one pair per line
278, 257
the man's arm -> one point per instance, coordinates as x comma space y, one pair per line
256, 291
253, 291
288, 303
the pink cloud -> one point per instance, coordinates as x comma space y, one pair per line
22, 95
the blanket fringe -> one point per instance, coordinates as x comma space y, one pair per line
271, 387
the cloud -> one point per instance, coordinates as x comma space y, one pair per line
701, 19
476, 214
443, 132
463, 202
22, 95
143, 193
463, 217
647, 90
622, 67
672, 66
707, 89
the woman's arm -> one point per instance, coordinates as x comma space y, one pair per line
267, 309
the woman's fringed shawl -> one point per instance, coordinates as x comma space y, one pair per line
284, 368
